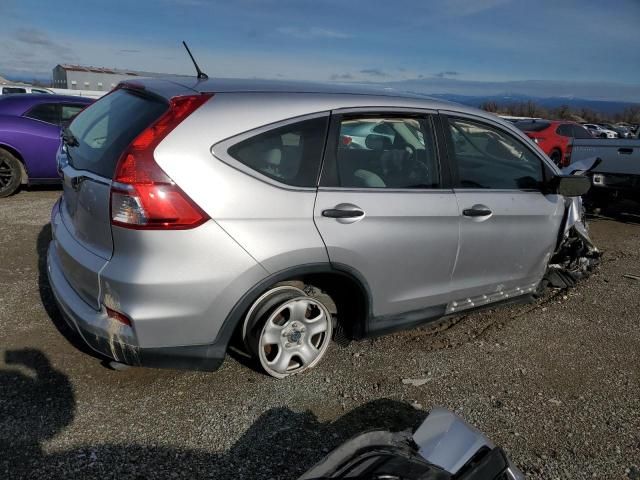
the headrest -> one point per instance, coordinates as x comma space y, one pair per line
273, 156
377, 142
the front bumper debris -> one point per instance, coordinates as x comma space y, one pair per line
576, 256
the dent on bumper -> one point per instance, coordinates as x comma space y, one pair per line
112, 339
106, 336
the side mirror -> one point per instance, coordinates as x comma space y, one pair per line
570, 185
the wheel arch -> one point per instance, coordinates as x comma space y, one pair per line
340, 282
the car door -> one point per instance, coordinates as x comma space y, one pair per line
508, 224
386, 212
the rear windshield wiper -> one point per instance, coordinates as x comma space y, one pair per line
68, 138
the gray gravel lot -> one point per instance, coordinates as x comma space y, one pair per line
556, 383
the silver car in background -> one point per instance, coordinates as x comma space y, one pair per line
202, 214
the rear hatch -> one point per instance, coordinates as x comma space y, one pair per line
94, 143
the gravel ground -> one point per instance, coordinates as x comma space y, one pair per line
556, 383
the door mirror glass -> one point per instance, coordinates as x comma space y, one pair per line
571, 185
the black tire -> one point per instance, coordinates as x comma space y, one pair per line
10, 173
556, 156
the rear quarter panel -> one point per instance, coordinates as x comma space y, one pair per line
35, 141
274, 225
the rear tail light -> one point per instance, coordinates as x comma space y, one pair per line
143, 196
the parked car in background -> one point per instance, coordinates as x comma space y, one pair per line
554, 137
617, 176
12, 89
173, 237
623, 132
30, 135
599, 132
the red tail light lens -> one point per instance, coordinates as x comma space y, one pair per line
142, 194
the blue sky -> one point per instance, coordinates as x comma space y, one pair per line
589, 44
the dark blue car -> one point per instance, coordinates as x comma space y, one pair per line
30, 135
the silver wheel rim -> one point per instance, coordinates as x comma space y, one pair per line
295, 337
293, 291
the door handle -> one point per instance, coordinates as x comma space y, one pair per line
339, 213
477, 211
625, 151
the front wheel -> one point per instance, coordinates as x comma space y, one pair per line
10, 173
289, 334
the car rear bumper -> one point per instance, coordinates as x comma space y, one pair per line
116, 341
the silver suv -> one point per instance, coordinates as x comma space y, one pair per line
202, 214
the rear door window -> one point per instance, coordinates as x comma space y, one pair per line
385, 152
290, 154
45, 112
105, 129
487, 157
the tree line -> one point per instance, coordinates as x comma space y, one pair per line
630, 114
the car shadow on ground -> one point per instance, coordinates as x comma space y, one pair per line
37, 402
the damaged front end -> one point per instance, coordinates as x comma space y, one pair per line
575, 256
444, 447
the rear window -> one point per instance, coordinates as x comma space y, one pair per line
531, 126
289, 154
107, 127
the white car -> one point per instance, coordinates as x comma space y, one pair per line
600, 132
9, 89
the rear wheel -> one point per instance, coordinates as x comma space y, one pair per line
287, 331
10, 173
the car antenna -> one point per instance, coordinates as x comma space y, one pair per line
201, 74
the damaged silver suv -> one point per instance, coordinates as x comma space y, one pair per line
271, 216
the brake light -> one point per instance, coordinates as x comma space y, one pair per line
143, 196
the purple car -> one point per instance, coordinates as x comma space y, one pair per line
30, 135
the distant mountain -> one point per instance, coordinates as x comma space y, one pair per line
601, 106
601, 91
